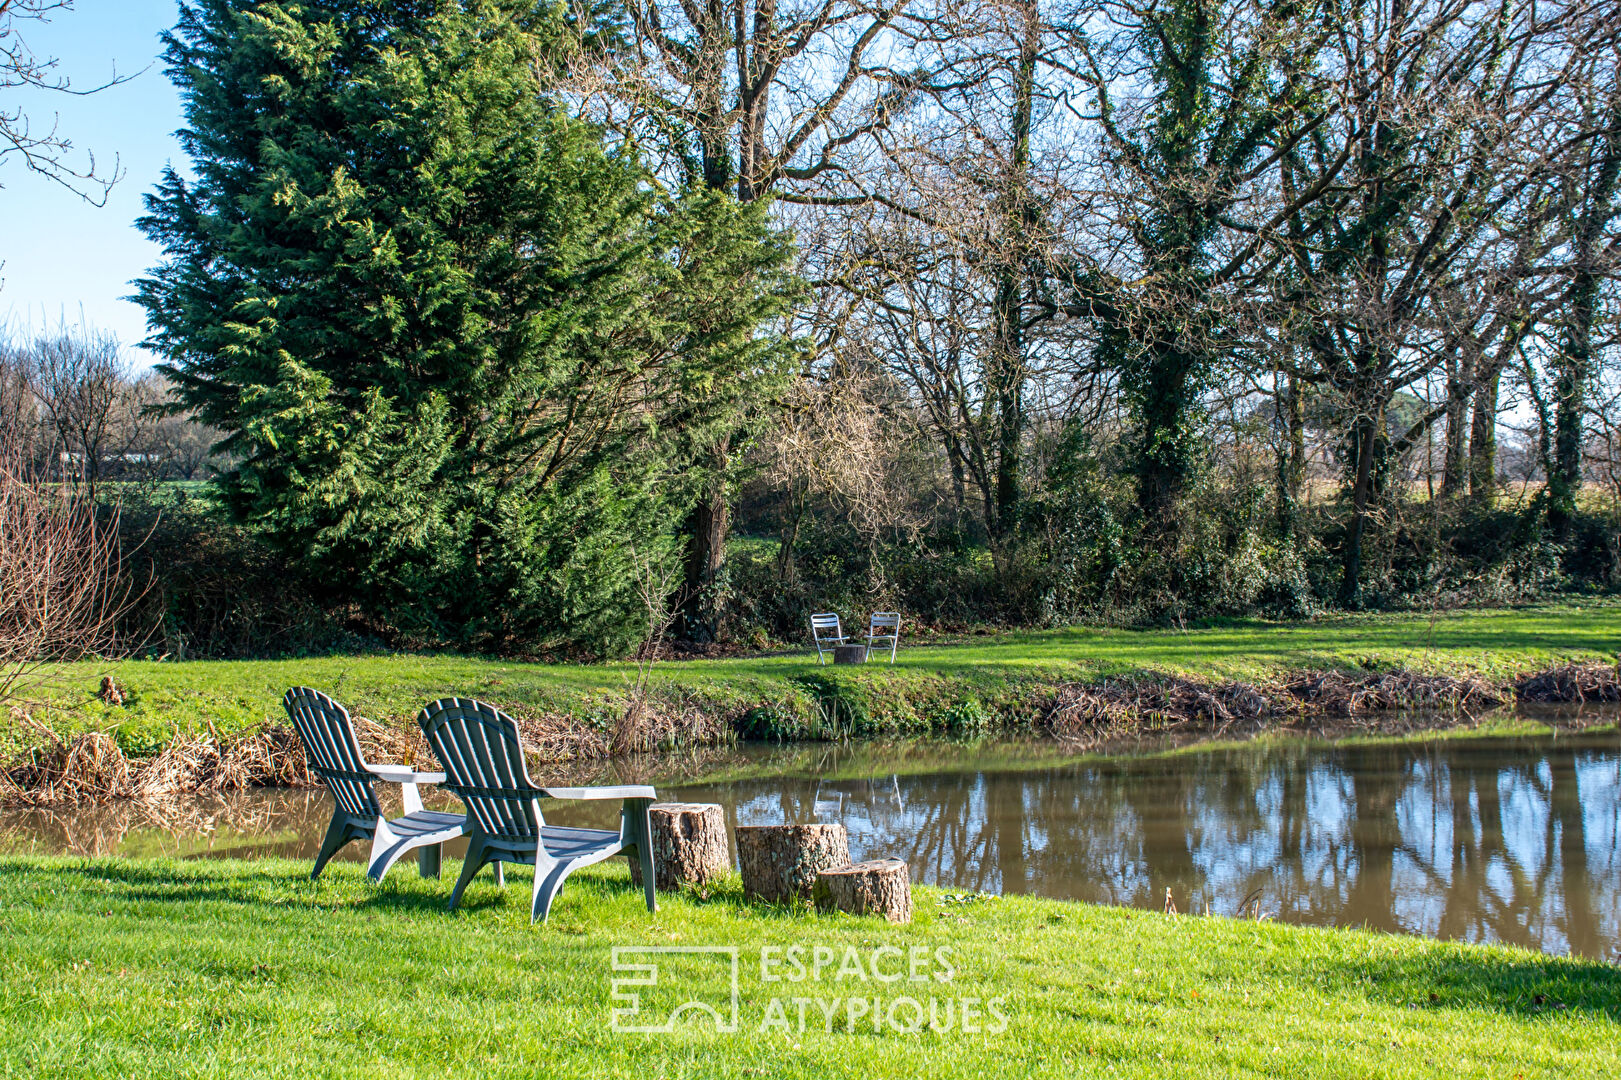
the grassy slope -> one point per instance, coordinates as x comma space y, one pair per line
164, 968
236, 694
232, 695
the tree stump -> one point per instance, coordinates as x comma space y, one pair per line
850, 654
780, 862
689, 845
882, 887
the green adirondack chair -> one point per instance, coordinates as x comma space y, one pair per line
334, 757
483, 757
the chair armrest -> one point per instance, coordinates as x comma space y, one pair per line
401, 774
628, 791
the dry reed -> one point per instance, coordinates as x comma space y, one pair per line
1091, 711
92, 768
1572, 683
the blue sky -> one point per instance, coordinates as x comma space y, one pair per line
64, 258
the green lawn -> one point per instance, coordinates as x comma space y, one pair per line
166, 968
232, 695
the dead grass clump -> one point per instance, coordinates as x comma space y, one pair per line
666, 723
271, 756
1119, 706
399, 743
550, 736
1572, 683
1338, 693
1115, 705
1085, 712
93, 768
185, 765
643, 725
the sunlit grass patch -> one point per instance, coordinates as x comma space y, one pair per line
166, 968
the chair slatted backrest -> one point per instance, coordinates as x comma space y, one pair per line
483, 758
884, 624
333, 750
826, 621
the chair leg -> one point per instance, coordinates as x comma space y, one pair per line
386, 849
638, 829
430, 860
500, 875
549, 875
476, 857
339, 833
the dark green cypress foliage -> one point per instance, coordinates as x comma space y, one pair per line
459, 346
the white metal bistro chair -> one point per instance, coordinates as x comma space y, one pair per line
827, 633
884, 629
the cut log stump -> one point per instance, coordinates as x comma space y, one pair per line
880, 887
689, 845
780, 862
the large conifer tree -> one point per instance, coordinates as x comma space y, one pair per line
460, 347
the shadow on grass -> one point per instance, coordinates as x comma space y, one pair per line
1467, 977
343, 885
1394, 973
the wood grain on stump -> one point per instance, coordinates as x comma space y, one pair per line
689, 845
881, 887
780, 862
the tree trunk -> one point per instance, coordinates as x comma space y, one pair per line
709, 521
1459, 391
1020, 221
1483, 439
881, 887
689, 845
1165, 454
1365, 440
959, 487
1570, 403
1291, 456
780, 862
707, 528
1576, 353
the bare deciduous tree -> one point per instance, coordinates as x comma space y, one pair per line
44, 149
837, 443
81, 381
760, 98
61, 591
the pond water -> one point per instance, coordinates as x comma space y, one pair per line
1497, 839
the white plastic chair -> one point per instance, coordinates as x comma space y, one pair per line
884, 627
483, 755
334, 756
826, 631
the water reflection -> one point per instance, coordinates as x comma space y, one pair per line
1509, 840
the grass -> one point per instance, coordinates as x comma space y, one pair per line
168, 968
1001, 671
